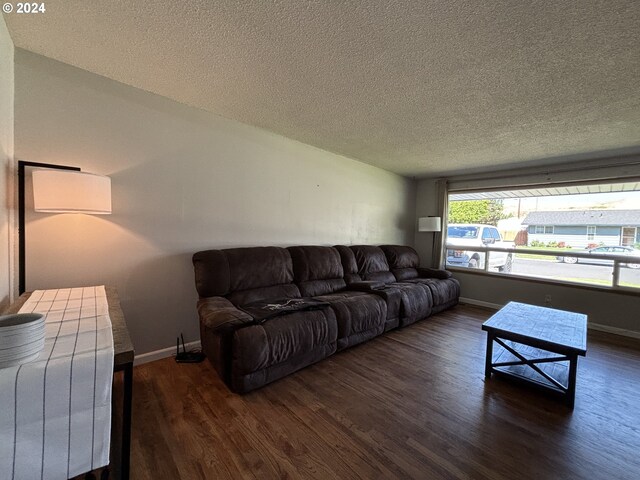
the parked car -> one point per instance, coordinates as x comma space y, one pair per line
476, 235
615, 250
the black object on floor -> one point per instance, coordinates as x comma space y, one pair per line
192, 356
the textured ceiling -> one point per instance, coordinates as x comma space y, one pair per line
416, 87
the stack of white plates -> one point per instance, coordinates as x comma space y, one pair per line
21, 338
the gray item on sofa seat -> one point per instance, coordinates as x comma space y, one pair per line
263, 310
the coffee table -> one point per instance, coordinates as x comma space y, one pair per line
537, 345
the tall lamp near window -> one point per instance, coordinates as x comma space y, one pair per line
431, 224
59, 189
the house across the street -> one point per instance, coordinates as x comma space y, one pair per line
579, 228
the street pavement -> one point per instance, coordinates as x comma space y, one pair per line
559, 270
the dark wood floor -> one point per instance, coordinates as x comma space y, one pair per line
413, 403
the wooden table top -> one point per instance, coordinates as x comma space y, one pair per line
122, 346
541, 326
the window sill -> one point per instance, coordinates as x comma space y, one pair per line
547, 281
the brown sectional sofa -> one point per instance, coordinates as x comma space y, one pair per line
342, 296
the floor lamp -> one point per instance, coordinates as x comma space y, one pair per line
434, 225
59, 189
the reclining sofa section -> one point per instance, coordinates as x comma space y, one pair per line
331, 298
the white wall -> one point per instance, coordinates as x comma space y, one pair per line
604, 308
183, 180
617, 310
6, 158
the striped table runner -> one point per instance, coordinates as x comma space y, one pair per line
55, 412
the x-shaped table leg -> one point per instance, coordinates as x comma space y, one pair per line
531, 363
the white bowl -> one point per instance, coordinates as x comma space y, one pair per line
19, 361
18, 319
21, 338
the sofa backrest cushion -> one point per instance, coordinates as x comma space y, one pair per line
235, 272
317, 270
403, 261
212, 273
372, 263
258, 267
349, 264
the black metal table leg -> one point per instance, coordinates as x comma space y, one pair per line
489, 360
571, 383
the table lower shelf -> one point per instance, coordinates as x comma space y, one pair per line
558, 369
533, 366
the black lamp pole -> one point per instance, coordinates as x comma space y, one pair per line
21, 215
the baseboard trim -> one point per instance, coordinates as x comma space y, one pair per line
615, 330
591, 326
163, 353
480, 303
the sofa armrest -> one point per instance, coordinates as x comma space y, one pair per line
366, 286
220, 315
219, 319
434, 273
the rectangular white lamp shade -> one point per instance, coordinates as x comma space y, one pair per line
429, 224
68, 191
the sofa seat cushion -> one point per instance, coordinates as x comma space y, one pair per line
443, 291
264, 310
313, 288
417, 302
281, 345
360, 316
336, 296
243, 297
394, 299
